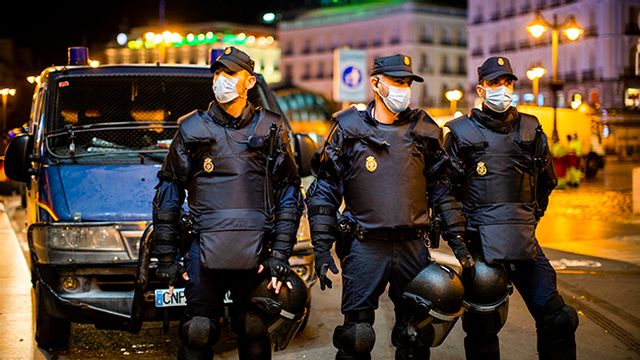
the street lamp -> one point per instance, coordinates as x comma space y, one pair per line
5, 93
572, 31
534, 74
453, 96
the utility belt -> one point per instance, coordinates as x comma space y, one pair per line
349, 230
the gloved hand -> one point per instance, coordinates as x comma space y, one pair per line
461, 253
170, 270
278, 265
323, 263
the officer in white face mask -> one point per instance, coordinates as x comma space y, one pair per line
501, 166
388, 165
234, 165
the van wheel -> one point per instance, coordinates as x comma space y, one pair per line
51, 333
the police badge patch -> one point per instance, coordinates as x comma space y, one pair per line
208, 165
371, 164
481, 168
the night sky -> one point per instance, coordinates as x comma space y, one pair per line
49, 27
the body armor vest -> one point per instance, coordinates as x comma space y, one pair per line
228, 185
384, 183
499, 168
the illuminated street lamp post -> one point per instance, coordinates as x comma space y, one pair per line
453, 96
534, 74
5, 94
572, 31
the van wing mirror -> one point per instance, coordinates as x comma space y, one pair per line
305, 148
17, 160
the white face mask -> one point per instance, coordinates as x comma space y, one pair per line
398, 98
498, 99
225, 89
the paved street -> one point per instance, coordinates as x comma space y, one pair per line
589, 233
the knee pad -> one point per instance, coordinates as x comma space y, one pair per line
199, 332
251, 325
488, 324
557, 326
354, 338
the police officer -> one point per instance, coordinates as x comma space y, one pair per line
501, 167
235, 163
388, 165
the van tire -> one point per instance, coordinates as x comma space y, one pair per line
51, 333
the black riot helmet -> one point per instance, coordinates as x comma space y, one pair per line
486, 287
435, 297
283, 312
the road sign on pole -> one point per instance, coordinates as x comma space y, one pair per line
349, 75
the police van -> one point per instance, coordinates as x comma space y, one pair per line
97, 137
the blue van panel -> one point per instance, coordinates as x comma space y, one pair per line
102, 192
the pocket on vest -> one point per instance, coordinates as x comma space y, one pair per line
233, 239
508, 242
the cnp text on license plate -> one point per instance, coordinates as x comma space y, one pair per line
163, 299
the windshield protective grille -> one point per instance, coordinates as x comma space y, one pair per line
121, 113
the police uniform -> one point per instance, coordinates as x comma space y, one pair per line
388, 175
245, 204
503, 174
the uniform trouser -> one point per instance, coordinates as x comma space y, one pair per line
368, 266
205, 292
536, 283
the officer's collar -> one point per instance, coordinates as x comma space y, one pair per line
404, 117
498, 122
223, 118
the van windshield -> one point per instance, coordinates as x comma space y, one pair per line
122, 113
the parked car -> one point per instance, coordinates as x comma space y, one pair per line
97, 138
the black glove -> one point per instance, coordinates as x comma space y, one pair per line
169, 269
278, 265
460, 251
323, 263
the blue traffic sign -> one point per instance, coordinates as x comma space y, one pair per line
352, 76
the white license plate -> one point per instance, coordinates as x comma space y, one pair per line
163, 299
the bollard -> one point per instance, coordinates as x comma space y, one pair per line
636, 190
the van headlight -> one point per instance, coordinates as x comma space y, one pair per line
75, 237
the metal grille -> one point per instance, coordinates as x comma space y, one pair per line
121, 113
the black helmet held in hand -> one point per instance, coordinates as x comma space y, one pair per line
486, 287
283, 312
436, 296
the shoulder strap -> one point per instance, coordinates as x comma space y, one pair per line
529, 124
266, 118
352, 124
194, 128
425, 126
467, 133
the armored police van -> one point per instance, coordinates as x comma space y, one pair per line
97, 138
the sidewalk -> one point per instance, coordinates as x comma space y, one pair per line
17, 329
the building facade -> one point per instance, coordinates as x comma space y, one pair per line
191, 44
597, 68
433, 36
